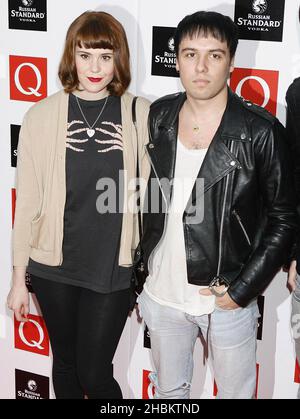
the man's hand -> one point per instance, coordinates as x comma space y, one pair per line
225, 302
292, 276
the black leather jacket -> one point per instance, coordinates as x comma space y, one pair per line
249, 210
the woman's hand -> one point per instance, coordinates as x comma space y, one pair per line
18, 297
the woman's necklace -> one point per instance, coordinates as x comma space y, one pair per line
91, 131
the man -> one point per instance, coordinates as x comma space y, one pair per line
211, 249
293, 135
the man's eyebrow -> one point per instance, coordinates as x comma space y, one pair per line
218, 50
188, 49
210, 50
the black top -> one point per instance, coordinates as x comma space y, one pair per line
293, 136
94, 200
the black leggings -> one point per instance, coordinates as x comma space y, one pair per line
84, 329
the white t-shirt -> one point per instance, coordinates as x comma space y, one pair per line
167, 281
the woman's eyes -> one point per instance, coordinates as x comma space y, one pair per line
103, 57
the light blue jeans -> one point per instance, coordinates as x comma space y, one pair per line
295, 320
231, 343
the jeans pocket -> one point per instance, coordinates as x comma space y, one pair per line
218, 308
255, 310
142, 305
139, 303
296, 296
296, 293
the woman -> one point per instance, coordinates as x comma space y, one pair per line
74, 149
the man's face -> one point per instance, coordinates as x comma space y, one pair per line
204, 65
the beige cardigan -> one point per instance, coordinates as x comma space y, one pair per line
41, 180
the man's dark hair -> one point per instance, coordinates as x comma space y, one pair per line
204, 24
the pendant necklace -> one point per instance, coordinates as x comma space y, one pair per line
91, 131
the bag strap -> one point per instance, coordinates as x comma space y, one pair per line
133, 108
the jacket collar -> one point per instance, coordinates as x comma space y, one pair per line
171, 118
234, 111
239, 130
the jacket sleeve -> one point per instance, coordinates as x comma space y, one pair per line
27, 197
274, 176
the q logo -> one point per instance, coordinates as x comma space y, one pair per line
258, 86
28, 78
148, 388
32, 336
297, 373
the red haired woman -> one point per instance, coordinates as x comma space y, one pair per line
77, 249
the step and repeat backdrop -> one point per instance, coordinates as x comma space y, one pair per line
32, 34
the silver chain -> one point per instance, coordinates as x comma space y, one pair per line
91, 126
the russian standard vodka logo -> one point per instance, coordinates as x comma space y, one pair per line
27, 3
259, 6
32, 386
260, 20
163, 52
171, 44
28, 15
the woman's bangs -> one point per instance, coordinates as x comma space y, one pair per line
94, 37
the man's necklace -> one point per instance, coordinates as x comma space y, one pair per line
91, 131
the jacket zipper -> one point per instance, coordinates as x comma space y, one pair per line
167, 208
222, 219
234, 212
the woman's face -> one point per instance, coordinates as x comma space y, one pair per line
95, 70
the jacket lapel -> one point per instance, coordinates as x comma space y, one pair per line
218, 162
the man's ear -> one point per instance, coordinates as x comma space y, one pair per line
231, 68
177, 66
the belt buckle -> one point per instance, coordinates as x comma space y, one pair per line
217, 282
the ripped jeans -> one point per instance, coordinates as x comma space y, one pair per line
231, 344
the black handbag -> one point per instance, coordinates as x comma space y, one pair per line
138, 268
